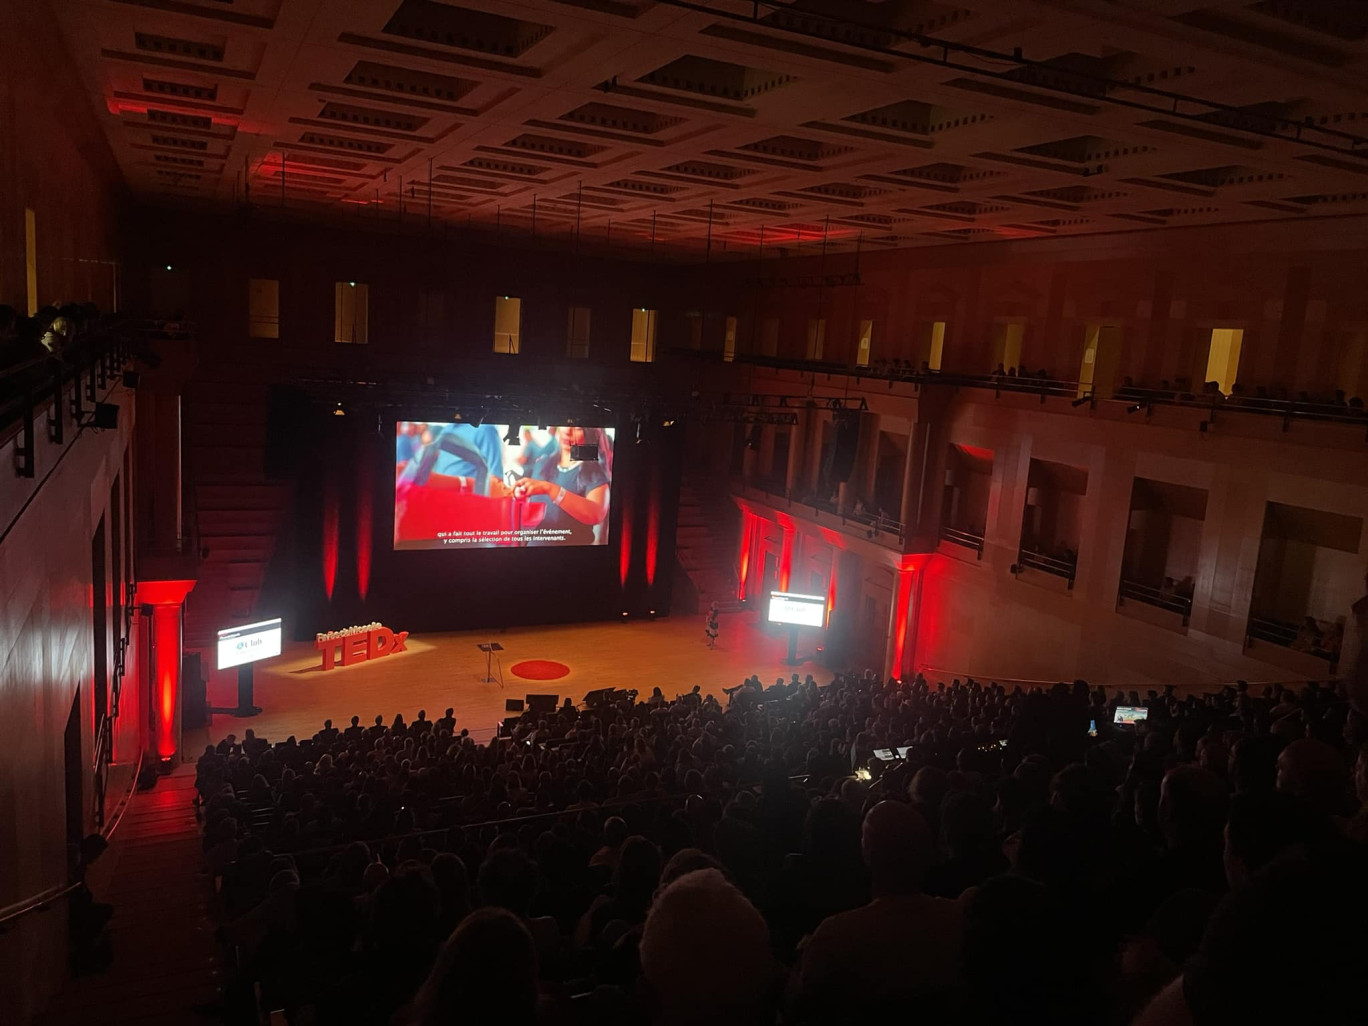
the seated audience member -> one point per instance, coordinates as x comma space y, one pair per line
705, 956
1192, 807
1261, 827
970, 844
486, 972
1286, 947
1315, 772
901, 950
1022, 953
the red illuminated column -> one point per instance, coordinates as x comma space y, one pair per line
747, 543
902, 634
786, 554
167, 598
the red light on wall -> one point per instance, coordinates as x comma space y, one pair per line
901, 617
364, 511
831, 588
786, 558
330, 529
625, 544
653, 527
747, 538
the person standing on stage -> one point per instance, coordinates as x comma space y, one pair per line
710, 628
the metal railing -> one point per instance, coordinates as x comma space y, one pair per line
1180, 604
966, 539
61, 388
1288, 635
46, 899
876, 523
1134, 398
1048, 564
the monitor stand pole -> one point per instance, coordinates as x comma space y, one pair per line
793, 659
245, 706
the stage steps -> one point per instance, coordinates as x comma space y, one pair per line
705, 543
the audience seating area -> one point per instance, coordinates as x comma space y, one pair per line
845, 853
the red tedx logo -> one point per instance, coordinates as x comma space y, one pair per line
357, 647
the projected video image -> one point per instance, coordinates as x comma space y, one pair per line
468, 486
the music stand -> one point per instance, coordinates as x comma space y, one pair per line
489, 651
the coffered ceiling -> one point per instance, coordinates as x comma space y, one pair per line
731, 124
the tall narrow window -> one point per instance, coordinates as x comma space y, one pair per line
350, 312
769, 337
643, 335
816, 338
695, 322
866, 342
1223, 358
507, 324
31, 259
935, 347
577, 334
729, 341
1007, 345
1351, 365
1101, 358
263, 308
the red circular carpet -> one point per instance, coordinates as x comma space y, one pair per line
539, 669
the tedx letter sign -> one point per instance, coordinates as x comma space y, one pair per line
357, 644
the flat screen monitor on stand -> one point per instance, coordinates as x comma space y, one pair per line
796, 611
242, 647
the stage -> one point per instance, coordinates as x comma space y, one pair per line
441, 670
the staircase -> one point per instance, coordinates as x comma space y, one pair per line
237, 512
165, 957
705, 543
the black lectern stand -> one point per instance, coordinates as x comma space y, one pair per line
489, 651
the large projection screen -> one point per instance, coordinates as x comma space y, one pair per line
797, 610
249, 643
463, 485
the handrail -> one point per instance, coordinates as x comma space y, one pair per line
12, 913
1174, 603
1284, 635
1133, 397
880, 524
968, 539
1145, 685
1048, 564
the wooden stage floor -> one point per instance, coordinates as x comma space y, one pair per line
441, 670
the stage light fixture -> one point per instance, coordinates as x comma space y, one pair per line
168, 267
511, 436
1136, 408
338, 411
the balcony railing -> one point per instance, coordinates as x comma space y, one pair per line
1137, 592
1133, 397
967, 539
1064, 568
875, 524
1288, 635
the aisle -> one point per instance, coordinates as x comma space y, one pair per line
165, 957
